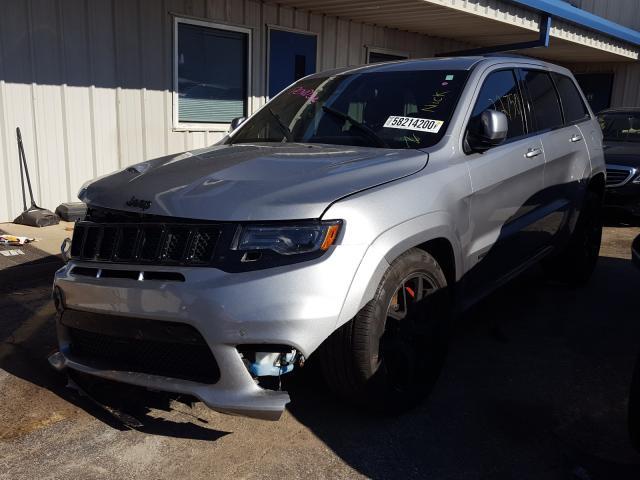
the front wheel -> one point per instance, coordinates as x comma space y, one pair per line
576, 262
388, 357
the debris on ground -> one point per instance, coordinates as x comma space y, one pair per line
124, 418
14, 240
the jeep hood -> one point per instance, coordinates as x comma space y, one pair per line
250, 182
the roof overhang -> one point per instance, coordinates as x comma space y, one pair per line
580, 37
567, 12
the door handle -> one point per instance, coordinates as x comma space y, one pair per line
575, 138
533, 152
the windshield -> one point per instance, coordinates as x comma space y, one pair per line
620, 127
400, 109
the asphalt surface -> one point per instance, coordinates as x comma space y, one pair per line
535, 387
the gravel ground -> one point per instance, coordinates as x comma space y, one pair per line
535, 387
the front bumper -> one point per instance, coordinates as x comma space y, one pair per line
296, 305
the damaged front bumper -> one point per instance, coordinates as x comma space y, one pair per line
234, 393
292, 306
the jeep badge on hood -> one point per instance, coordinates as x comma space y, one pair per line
138, 203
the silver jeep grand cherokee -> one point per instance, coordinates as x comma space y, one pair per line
349, 219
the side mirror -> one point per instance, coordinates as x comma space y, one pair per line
236, 122
489, 131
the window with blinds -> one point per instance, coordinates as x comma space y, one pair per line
211, 74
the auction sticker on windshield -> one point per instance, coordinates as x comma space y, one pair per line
412, 123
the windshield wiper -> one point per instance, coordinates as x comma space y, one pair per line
286, 130
361, 126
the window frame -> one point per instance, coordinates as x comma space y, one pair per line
385, 51
271, 27
179, 126
587, 117
535, 130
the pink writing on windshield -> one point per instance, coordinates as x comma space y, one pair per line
307, 93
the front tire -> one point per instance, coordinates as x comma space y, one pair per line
577, 261
389, 355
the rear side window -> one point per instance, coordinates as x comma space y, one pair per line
500, 92
544, 100
574, 108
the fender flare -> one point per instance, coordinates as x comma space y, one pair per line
388, 246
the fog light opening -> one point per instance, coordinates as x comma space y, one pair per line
267, 363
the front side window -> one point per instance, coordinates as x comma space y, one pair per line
392, 109
574, 108
544, 100
211, 68
500, 92
620, 126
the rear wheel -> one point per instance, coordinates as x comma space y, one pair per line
389, 356
575, 264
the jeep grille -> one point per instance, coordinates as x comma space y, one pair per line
150, 243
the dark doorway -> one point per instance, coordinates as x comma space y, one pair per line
597, 88
292, 55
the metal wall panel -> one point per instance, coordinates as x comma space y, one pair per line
625, 81
17, 95
624, 12
626, 90
89, 82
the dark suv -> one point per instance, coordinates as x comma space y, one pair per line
621, 130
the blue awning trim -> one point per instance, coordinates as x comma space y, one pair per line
567, 12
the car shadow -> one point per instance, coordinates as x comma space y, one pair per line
619, 218
28, 337
535, 386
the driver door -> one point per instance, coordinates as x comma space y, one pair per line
505, 183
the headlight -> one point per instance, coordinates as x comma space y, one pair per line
290, 239
83, 188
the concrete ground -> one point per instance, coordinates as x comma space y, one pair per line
535, 387
35, 258
47, 240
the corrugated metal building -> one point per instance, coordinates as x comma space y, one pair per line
96, 85
625, 76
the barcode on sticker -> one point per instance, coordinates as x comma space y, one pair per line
412, 123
